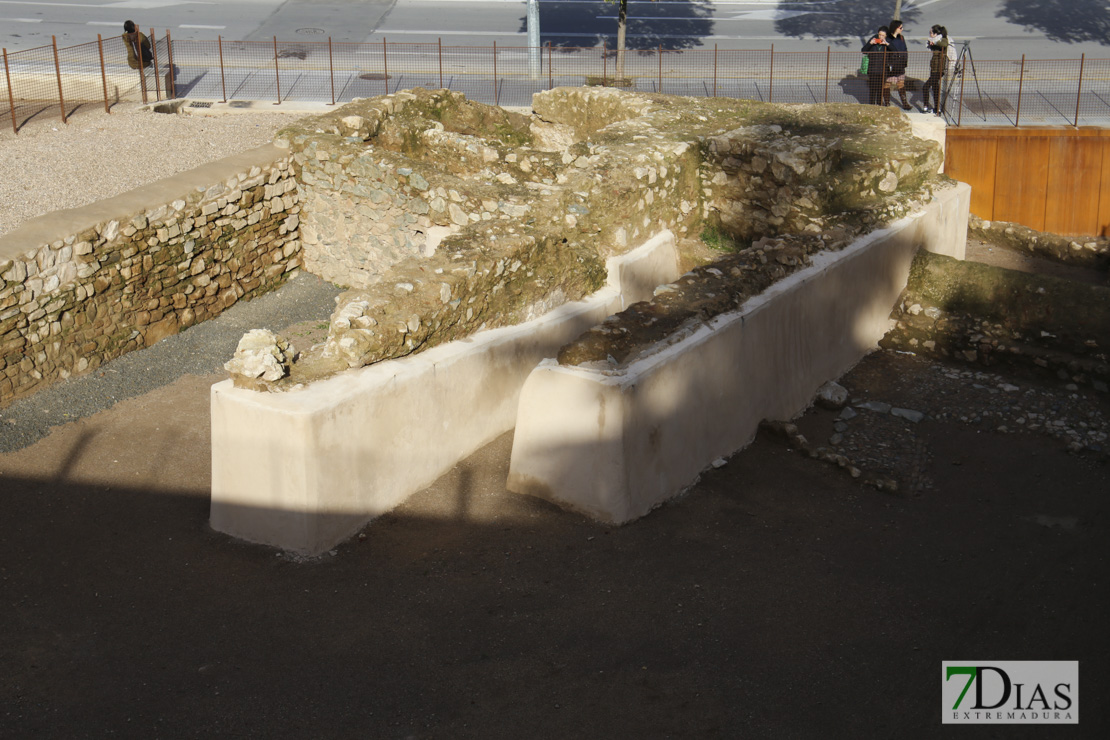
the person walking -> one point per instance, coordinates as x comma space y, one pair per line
938, 63
897, 60
138, 46
876, 51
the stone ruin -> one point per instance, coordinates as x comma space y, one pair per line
445, 217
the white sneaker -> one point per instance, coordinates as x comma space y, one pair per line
927, 109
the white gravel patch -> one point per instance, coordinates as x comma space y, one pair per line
50, 165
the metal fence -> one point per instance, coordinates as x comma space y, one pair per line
54, 81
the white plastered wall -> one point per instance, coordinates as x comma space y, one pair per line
304, 470
615, 444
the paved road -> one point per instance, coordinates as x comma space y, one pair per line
998, 29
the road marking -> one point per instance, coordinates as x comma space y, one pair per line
211, 28
21, 20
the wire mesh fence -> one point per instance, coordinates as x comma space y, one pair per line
52, 81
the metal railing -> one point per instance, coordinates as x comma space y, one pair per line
52, 81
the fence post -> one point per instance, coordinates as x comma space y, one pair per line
828, 61
1079, 91
385, 64
550, 79
11, 96
171, 76
660, 69
223, 82
154, 53
771, 81
331, 71
1021, 81
439, 42
605, 62
103, 72
495, 90
277, 73
58, 71
714, 70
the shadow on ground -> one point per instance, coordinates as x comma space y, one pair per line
649, 25
1072, 21
839, 18
755, 605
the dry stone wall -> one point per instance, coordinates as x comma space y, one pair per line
71, 301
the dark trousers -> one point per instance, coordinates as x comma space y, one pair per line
875, 87
933, 83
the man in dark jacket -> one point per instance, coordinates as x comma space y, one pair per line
896, 60
138, 46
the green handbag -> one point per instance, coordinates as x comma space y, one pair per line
863, 66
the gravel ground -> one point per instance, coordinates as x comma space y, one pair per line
99, 156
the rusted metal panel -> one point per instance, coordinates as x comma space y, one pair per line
1074, 185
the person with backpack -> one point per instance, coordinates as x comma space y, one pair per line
138, 46
897, 59
874, 55
938, 67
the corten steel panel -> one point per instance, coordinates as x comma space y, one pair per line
1103, 227
971, 159
1021, 180
1074, 185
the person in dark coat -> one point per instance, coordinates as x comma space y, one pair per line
138, 46
938, 63
876, 51
897, 60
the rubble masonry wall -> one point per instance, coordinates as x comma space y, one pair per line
82, 286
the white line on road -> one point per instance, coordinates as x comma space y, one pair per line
21, 20
211, 28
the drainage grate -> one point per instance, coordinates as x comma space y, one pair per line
199, 104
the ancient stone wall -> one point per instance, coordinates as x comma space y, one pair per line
80, 287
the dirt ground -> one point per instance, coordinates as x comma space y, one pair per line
778, 597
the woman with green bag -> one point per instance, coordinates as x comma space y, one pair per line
874, 57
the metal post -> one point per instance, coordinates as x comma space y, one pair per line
154, 53
1021, 81
660, 69
223, 82
771, 80
714, 70
960, 111
496, 97
385, 65
11, 97
331, 71
171, 76
439, 41
277, 73
1079, 91
535, 60
103, 72
828, 60
550, 79
604, 63
58, 71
